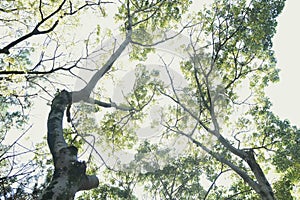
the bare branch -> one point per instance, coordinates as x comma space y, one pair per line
35, 31
214, 182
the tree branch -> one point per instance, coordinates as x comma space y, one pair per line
84, 93
109, 105
35, 31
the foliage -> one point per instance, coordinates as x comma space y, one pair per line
224, 133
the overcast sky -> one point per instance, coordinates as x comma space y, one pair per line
285, 95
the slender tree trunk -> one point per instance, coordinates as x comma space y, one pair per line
264, 188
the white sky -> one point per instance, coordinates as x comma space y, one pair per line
285, 95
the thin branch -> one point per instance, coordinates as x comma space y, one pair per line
35, 31
165, 39
214, 182
10, 146
234, 195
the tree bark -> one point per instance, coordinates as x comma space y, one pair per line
69, 174
264, 188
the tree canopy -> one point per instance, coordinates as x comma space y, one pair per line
144, 100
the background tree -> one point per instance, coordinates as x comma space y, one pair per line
227, 133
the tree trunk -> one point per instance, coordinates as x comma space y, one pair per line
69, 174
264, 188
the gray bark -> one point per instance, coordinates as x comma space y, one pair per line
69, 174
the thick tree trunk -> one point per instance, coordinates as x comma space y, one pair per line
69, 174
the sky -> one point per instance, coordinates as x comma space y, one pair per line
285, 95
